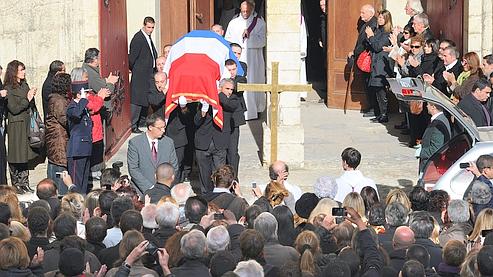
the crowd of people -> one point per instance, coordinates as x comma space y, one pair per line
339, 230
152, 223
414, 51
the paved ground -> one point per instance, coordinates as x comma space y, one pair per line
385, 157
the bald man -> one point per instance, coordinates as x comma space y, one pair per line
160, 63
279, 171
175, 128
403, 238
367, 16
165, 176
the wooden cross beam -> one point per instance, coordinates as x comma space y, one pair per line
275, 89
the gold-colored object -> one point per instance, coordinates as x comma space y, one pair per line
275, 88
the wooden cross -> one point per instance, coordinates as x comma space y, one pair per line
275, 89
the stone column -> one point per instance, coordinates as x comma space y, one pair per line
283, 45
480, 27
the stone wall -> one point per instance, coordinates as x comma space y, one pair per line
479, 26
283, 45
37, 32
137, 10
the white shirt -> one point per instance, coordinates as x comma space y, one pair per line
448, 67
113, 237
219, 190
352, 181
148, 39
435, 116
151, 141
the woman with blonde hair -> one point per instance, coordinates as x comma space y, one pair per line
20, 231
308, 245
400, 196
324, 207
9, 197
355, 201
484, 221
73, 203
131, 240
14, 259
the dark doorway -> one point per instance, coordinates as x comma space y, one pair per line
316, 58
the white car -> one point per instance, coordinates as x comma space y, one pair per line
468, 142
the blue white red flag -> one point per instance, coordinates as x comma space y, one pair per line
194, 66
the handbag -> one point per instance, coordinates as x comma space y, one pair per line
364, 61
36, 129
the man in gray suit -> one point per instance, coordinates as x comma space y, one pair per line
436, 134
147, 151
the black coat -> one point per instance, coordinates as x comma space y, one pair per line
239, 113
434, 250
141, 63
427, 34
161, 235
191, 268
429, 64
382, 66
157, 191
207, 130
46, 91
109, 256
440, 83
472, 107
361, 42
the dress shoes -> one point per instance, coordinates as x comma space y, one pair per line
370, 113
383, 119
136, 131
375, 119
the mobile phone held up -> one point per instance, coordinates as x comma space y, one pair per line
339, 212
218, 216
464, 165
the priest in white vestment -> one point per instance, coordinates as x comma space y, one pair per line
249, 31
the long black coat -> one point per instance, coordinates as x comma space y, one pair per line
381, 65
361, 42
141, 64
472, 107
440, 83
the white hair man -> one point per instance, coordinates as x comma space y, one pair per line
274, 253
217, 239
193, 245
249, 268
167, 216
421, 25
181, 192
458, 213
149, 218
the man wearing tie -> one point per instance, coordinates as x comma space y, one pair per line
147, 151
142, 63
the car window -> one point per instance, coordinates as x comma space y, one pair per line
445, 157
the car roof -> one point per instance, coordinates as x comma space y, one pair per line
408, 89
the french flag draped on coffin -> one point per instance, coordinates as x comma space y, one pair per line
194, 66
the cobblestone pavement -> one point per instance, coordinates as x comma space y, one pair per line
385, 156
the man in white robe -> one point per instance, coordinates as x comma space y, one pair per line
249, 32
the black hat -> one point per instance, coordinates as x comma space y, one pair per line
72, 262
305, 205
222, 262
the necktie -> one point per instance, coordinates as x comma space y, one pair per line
154, 152
152, 53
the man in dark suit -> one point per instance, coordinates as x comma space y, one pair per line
236, 48
148, 150
165, 175
142, 62
176, 127
367, 19
233, 157
475, 104
451, 65
211, 143
421, 25
435, 136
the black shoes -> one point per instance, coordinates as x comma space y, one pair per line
380, 119
136, 131
369, 114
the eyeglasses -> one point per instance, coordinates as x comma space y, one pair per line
415, 46
161, 128
406, 33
